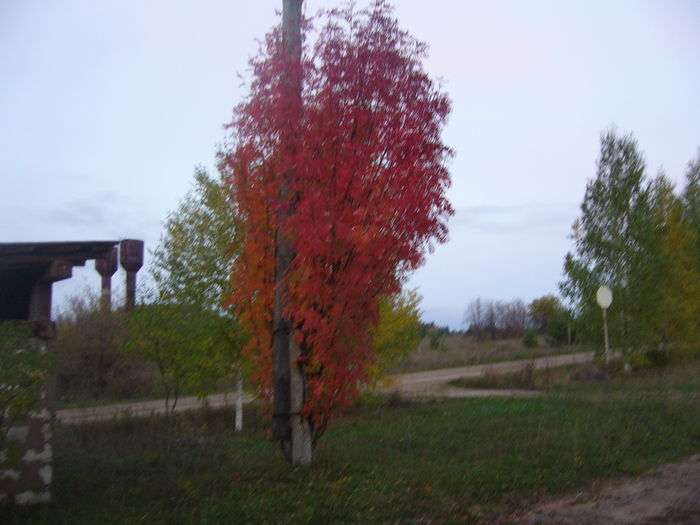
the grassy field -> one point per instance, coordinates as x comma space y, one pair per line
448, 461
457, 350
678, 381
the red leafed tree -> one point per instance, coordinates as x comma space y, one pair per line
366, 203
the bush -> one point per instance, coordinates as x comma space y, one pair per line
558, 329
551, 318
649, 358
657, 357
530, 339
192, 349
91, 364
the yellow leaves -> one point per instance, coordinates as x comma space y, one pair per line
397, 333
679, 279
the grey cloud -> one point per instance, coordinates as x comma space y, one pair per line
515, 218
103, 213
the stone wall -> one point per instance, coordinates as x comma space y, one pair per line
26, 454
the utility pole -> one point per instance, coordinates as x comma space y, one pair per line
289, 426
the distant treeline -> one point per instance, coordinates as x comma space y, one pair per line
490, 319
487, 319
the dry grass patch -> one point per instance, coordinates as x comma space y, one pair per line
458, 350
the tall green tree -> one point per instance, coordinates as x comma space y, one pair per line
678, 308
691, 201
192, 263
191, 269
633, 236
609, 240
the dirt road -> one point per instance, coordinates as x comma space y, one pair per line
432, 382
420, 381
143, 408
670, 494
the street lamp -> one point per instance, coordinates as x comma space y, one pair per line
604, 298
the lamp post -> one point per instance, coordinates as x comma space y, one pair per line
604, 298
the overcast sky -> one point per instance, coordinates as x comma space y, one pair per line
106, 107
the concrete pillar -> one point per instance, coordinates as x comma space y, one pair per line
107, 267
131, 258
40, 301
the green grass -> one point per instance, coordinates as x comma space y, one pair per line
681, 380
452, 461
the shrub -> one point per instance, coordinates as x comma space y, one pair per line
657, 357
91, 364
192, 349
397, 334
530, 339
649, 358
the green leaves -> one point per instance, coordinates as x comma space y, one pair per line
637, 236
691, 201
187, 329
190, 346
192, 263
24, 368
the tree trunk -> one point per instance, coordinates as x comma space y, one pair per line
289, 426
302, 444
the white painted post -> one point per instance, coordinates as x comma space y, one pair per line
239, 405
608, 357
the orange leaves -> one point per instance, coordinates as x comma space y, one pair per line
367, 198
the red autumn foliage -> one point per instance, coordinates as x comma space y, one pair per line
367, 200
